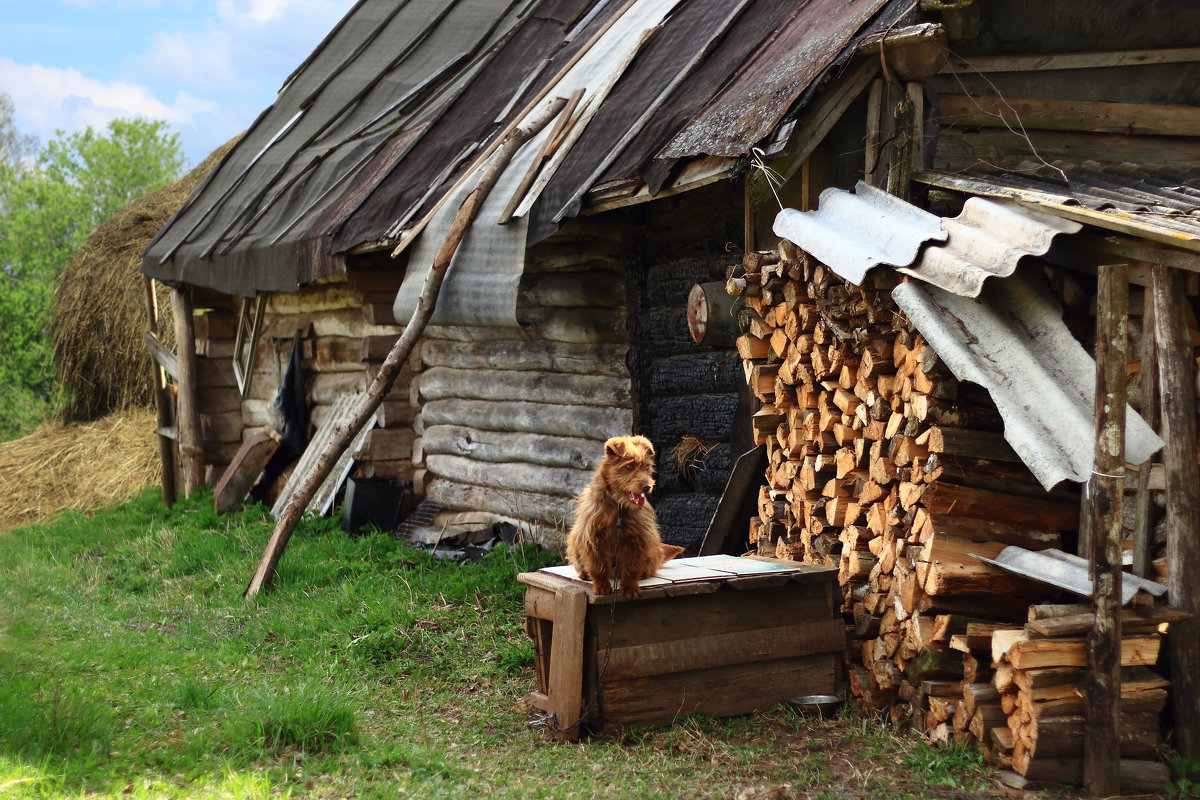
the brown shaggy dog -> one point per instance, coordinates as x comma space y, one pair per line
615, 535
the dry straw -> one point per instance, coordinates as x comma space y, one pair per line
101, 311
81, 467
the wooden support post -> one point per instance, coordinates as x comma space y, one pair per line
1106, 489
162, 405
1149, 384
566, 662
1176, 386
191, 446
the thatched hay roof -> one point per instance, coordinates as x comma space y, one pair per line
101, 313
81, 467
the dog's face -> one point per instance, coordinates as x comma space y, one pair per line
628, 468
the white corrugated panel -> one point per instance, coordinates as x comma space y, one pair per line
987, 240
1012, 341
851, 233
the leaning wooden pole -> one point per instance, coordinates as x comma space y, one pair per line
1106, 489
187, 416
162, 405
1176, 387
344, 433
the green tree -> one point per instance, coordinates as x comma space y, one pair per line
48, 206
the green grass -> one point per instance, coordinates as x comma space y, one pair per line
130, 666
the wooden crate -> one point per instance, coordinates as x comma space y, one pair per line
717, 646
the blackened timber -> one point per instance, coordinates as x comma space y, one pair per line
1176, 387
1106, 490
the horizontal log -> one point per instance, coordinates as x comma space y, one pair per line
718, 650
1032, 653
590, 422
926, 525
437, 383
579, 325
1030, 113
387, 445
589, 289
504, 447
944, 498
547, 510
558, 481
507, 354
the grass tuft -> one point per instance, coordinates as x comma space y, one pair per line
305, 717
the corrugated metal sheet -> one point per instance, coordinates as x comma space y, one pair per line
1159, 205
853, 232
1012, 341
987, 240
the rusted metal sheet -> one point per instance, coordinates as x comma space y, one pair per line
1157, 205
987, 240
1012, 341
854, 232
750, 107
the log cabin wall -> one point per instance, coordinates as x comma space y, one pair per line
345, 332
512, 422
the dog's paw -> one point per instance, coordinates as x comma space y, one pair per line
601, 586
630, 589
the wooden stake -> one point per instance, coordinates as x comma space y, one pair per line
344, 434
191, 446
1106, 489
162, 405
1176, 376
1149, 382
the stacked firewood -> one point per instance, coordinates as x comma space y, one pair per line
881, 464
1040, 683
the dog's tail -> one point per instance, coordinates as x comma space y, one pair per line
669, 551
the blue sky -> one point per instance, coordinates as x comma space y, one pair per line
207, 67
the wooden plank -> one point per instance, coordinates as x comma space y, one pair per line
161, 355
1055, 61
1177, 387
566, 662
244, 469
722, 612
738, 647
1134, 119
539, 603
717, 692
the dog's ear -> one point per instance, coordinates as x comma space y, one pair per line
615, 447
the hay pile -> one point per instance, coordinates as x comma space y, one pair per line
81, 467
101, 310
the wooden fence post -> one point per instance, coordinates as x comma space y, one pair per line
1176, 387
1106, 489
191, 446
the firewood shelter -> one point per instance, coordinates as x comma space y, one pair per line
930, 210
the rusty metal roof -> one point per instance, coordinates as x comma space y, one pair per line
1012, 341
1159, 205
404, 97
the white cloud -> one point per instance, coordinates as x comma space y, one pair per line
52, 98
245, 45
